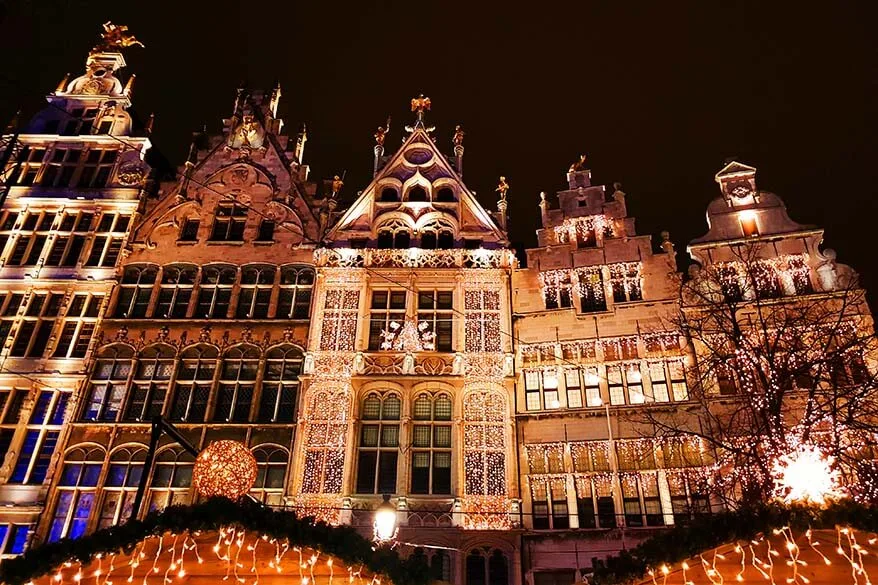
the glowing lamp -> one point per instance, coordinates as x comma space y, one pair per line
747, 218
806, 475
224, 468
385, 521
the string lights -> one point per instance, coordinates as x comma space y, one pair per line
584, 230
224, 468
806, 475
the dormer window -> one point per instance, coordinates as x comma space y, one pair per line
417, 194
389, 195
229, 223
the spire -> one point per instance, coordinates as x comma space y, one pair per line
275, 100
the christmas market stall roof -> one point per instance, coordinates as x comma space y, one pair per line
776, 545
215, 541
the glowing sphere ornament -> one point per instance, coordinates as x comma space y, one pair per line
224, 468
806, 475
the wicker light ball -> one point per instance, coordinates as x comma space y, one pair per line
224, 468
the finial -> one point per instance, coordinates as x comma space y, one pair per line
579, 165
62, 86
419, 104
150, 123
502, 188
116, 37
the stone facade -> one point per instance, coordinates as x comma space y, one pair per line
393, 348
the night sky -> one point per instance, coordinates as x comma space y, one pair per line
657, 94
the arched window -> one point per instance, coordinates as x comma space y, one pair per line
237, 381
109, 379
431, 445
272, 465
379, 444
76, 492
417, 193
215, 291
385, 240
389, 194
294, 300
485, 568
135, 291
194, 382
484, 415
171, 478
280, 384
255, 295
402, 240
120, 486
440, 566
150, 384
437, 234
175, 291
445, 195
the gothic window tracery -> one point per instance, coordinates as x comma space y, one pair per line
294, 299
215, 291
271, 464
237, 383
155, 364
171, 479
255, 295
120, 485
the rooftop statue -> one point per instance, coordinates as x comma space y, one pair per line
116, 37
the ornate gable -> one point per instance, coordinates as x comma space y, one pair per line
417, 191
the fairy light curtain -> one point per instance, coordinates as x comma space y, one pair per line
482, 320
339, 320
584, 231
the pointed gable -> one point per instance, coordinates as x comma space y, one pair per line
417, 191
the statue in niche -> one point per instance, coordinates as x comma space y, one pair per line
248, 134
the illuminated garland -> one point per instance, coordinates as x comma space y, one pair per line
590, 283
627, 275
289, 545
408, 337
745, 536
479, 258
780, 276
576, 228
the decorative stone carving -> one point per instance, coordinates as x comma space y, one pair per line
131, 174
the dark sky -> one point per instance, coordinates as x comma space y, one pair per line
657, 94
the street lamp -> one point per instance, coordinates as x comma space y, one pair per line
385, 521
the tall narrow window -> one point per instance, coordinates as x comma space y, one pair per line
31, 161
135, 291
271, 463
31, 239
176, 290
150, 383
70, 239
431, 445
484, 414
97, 168
61, 167
120, 486
280, 385
436, 315
79, 121
625, 281
556, 289
229, 222
109, 378
171, 478
36, 328
10, 304
482, 314
215, 291
8, 223
189, 232
379, 444
76, 493
591, 289
387, 306
266, 231
79, 325
237, 380
36, 454
294, 299
255, 292
107, 242
193, 384
339, 326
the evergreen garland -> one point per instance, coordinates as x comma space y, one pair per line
710, 531
342, 542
